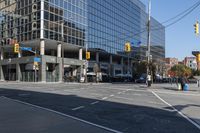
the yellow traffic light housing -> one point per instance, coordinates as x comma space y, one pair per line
127, 47
16, 48
196, 28
198, 57
87, 55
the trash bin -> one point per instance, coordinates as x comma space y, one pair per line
186, 87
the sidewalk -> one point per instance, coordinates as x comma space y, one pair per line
168, 86
18, 117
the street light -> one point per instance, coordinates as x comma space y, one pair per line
148, 40
62, 47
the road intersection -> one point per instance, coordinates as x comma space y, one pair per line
115, 107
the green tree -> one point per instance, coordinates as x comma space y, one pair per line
195, 72
140, 68
181, 70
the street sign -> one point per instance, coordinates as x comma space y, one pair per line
26, 48
136, 44
36, 59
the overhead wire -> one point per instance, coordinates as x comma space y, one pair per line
182, 15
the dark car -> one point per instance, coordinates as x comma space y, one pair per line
141, 80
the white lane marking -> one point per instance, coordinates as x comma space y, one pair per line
104, 98
94, 103
124, 98
112, 95
180, 113
77, 108
69, 116
119, 93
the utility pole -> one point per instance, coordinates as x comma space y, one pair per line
62, 48
86, 62
148, 37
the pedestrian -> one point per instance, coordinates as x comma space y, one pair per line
183, 81
148, 80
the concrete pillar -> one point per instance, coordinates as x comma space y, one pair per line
59, 70
131, 66
111, 59
122, 64
18, 72
1, 74
59, 50
20, 54
122, 61
80, 54
97, 57
110, 66
43, 70
42, 19
2, 53
42, 47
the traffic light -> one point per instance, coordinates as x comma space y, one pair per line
198, 57
196, 28
127, 47
16, 48
87, 55
36, 65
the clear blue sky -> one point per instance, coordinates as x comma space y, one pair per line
180, 38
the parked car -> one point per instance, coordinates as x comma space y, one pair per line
141, 80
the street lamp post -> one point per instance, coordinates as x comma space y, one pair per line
62, 48
86, 63
148, 39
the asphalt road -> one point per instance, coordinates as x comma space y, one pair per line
121, 107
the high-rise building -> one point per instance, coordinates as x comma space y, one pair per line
53, 36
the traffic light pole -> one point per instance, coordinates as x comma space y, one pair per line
62, 48
86, 62
148, 39
35, 68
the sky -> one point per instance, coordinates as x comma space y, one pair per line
180, 38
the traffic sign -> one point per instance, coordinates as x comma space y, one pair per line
36, 59
26, 48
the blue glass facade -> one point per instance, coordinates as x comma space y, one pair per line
112, 23
102, 24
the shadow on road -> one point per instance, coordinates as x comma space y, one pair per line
115, 115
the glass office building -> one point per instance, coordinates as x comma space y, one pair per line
21, 19
58, 29
112, 23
